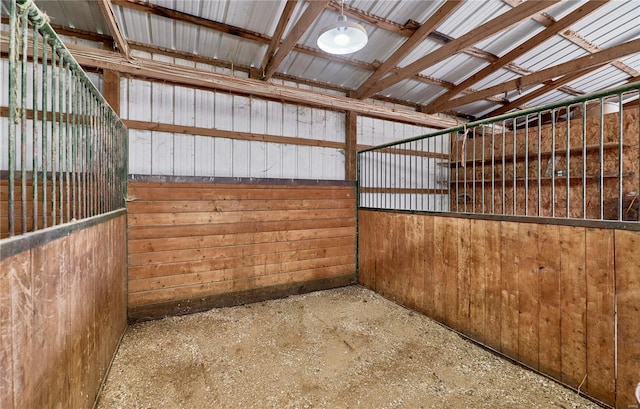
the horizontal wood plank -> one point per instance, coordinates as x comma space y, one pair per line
210, 239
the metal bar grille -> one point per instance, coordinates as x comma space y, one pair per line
577, 159
65, 147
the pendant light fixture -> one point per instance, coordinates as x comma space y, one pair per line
342, 37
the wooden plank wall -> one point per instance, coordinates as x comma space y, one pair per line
62, 313
193, 246
545, 295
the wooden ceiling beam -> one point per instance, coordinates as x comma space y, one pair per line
157, 70
533, 42
548, 86
601, 57
474, 36
305, 21
414, 40
287, 12
371, 19
114, 27
435, 35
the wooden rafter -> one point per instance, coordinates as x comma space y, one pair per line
522, 49
474, 36
114, 27
548, 86
601, 57
277, 35
414, 40
310, 15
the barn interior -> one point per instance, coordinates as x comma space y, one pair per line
475, 162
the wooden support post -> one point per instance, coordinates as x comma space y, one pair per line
351, 139
112, 89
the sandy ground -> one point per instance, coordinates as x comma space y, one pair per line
344, 348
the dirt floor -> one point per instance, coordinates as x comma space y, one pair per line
343, 348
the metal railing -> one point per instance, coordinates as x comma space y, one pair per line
66, 148
576, 159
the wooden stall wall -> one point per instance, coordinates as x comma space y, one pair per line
545, 295
62, 313
197, 245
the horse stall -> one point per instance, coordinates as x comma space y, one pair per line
177, 230
536, 253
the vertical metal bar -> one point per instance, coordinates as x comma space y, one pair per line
61, 147
493, 168
74, 146
601, 161
458, 159
584, 160
54, 135
568, 164
526, 165
620, 156
504, 166
483, 169
473, 172
465, 148
538, 176
68, 140
514, 159
86, 139
446, 189
23, 121
553, 162
45, 128
422, 170
36, 153
11, 151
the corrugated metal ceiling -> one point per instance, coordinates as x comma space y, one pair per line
615, 23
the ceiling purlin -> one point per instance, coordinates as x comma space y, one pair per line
371, 19
114, 27
533, 42
474, 36
277, 35
592, 48
414, 40
154, 9
549, 86
305, 21
601, 57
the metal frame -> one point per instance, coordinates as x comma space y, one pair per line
59, 120
522, 165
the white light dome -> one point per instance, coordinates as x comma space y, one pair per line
343, 37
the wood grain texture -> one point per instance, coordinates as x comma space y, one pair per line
573, 305
600, 314
549, 313
509, 264
627, 260
63, 311
545, 295
528, 297
207, 240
